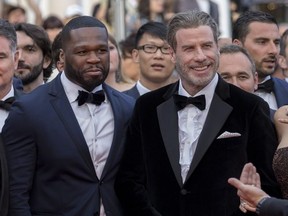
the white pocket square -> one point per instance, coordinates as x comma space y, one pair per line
228, 134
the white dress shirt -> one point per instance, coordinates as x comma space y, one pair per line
190, 124
268, 97
141, 89
97, 125
4, 113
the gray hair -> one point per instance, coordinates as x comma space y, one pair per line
190, 19
7, 31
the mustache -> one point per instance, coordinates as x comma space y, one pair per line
22, 65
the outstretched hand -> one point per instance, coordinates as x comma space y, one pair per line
249, 188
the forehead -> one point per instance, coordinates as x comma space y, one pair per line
89, 35
235, 61
4, 42
150, 39
192, 35
263, 30
23, 38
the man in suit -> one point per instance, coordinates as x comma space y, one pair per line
258, 33
35, 60
64, 140
178, 158
8, 63
152, 53
254, 198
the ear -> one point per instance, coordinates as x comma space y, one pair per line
237, 42
282, 62
16, 59
47, 62
173, 57
61, 55
135, 55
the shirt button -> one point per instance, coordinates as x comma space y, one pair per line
184, 192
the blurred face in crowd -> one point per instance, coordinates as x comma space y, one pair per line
8, 63
263, 44
31, 60
86, 57
114, 57
157, 6
235, 68
129, 68
153, 56
196, 56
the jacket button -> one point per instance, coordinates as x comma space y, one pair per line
183, 191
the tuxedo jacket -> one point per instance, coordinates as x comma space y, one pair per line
50, 168
281, 91
149, 182
133, 92
274, 207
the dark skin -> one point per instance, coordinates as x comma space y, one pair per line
86, 57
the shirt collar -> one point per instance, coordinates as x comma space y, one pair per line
142, 89
11, 93
71, 89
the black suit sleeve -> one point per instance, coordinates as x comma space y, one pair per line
274, 207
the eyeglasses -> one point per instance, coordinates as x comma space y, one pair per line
149, 48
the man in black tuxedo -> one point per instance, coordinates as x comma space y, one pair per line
178, 158
64, 140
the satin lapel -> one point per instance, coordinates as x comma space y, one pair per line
217, 115
168, 121
64, 111
116, 145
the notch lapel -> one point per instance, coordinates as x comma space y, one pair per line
64, 111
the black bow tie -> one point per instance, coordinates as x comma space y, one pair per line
182, 101
267, 86
87, 97
6, 105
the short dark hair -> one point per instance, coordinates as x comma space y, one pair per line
241, 25
56, 48
7, 31
80, 22
40, 37
127, 45
233, 49
155, 29
52, 22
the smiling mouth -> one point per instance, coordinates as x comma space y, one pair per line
200, 68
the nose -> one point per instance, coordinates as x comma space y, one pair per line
93, 57
199, 55
234, 81
21, 56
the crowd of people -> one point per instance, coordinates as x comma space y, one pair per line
169, 121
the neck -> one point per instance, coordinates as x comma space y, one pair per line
31, 86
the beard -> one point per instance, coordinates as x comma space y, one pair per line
32, 76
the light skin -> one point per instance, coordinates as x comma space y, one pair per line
114, 67
8, 63
156, 68
130, 68
263, 44
86, 57
31, 62
235, 68
196, 57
